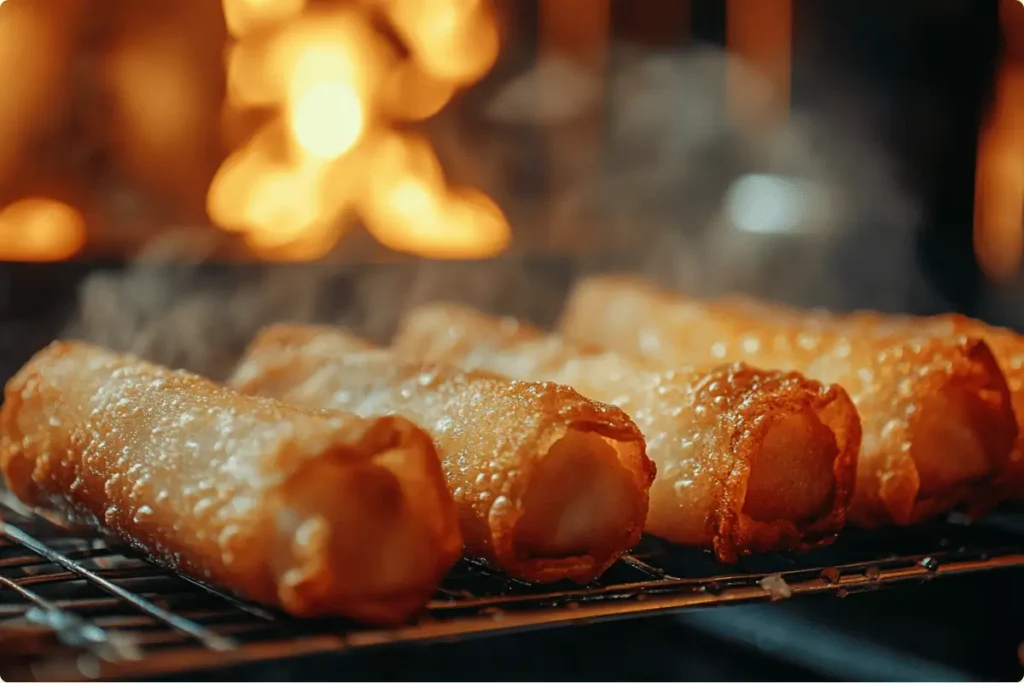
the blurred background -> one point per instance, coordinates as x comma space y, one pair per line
843, 153
173, 175
846, 154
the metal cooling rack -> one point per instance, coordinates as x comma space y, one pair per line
81, 608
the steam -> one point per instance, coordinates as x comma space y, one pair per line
200, 317
171, 307
810, 214
687, 198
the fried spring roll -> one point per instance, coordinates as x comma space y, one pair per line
1008, 348
549, 485
748, 461
315, 512
936, 412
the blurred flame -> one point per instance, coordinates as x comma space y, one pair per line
158, 105
451, 40
337, 89
38, 229
35, 46
408, 209
327, 119
412, 95
245, 16
999, 177
759, 33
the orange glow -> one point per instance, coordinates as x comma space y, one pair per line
37, 229
336, 87
999, 202
160, 101
250, 82
759, 36
244, 16
410, 94
397, 155
327, 119
282, 205
579, 30
234, 187
999, 177
408, 208
34, 47
314, 242
475, 227
412, 217
453, 40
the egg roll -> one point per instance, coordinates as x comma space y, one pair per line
549, 485
1008, 348
748, 460
937, 419
317, 513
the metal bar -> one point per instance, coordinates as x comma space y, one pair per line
204, 635
464, 608
25, 594
35, 560
640, 565
499, 622
839, 576
110, 574
72, 629
248, 608
95, 604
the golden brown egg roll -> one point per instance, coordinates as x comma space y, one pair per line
748, 460
936, 413
1008, 348
549, 485
319, 513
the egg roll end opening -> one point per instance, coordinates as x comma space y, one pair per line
580, 500
949, 451
953, 454
348, 520
792, 477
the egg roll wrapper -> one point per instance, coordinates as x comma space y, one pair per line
549, 485
720, 482
937, 419
1008, 348
317, 513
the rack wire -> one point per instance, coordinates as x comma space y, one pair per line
77, 608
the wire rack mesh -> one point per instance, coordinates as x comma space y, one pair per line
74, 607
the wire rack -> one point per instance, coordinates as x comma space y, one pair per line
75, 608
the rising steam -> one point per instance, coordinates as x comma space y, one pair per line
809, 213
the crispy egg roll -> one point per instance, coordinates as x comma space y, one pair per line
318, 513
748, 460
936, 413
549, 485
1008, 348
